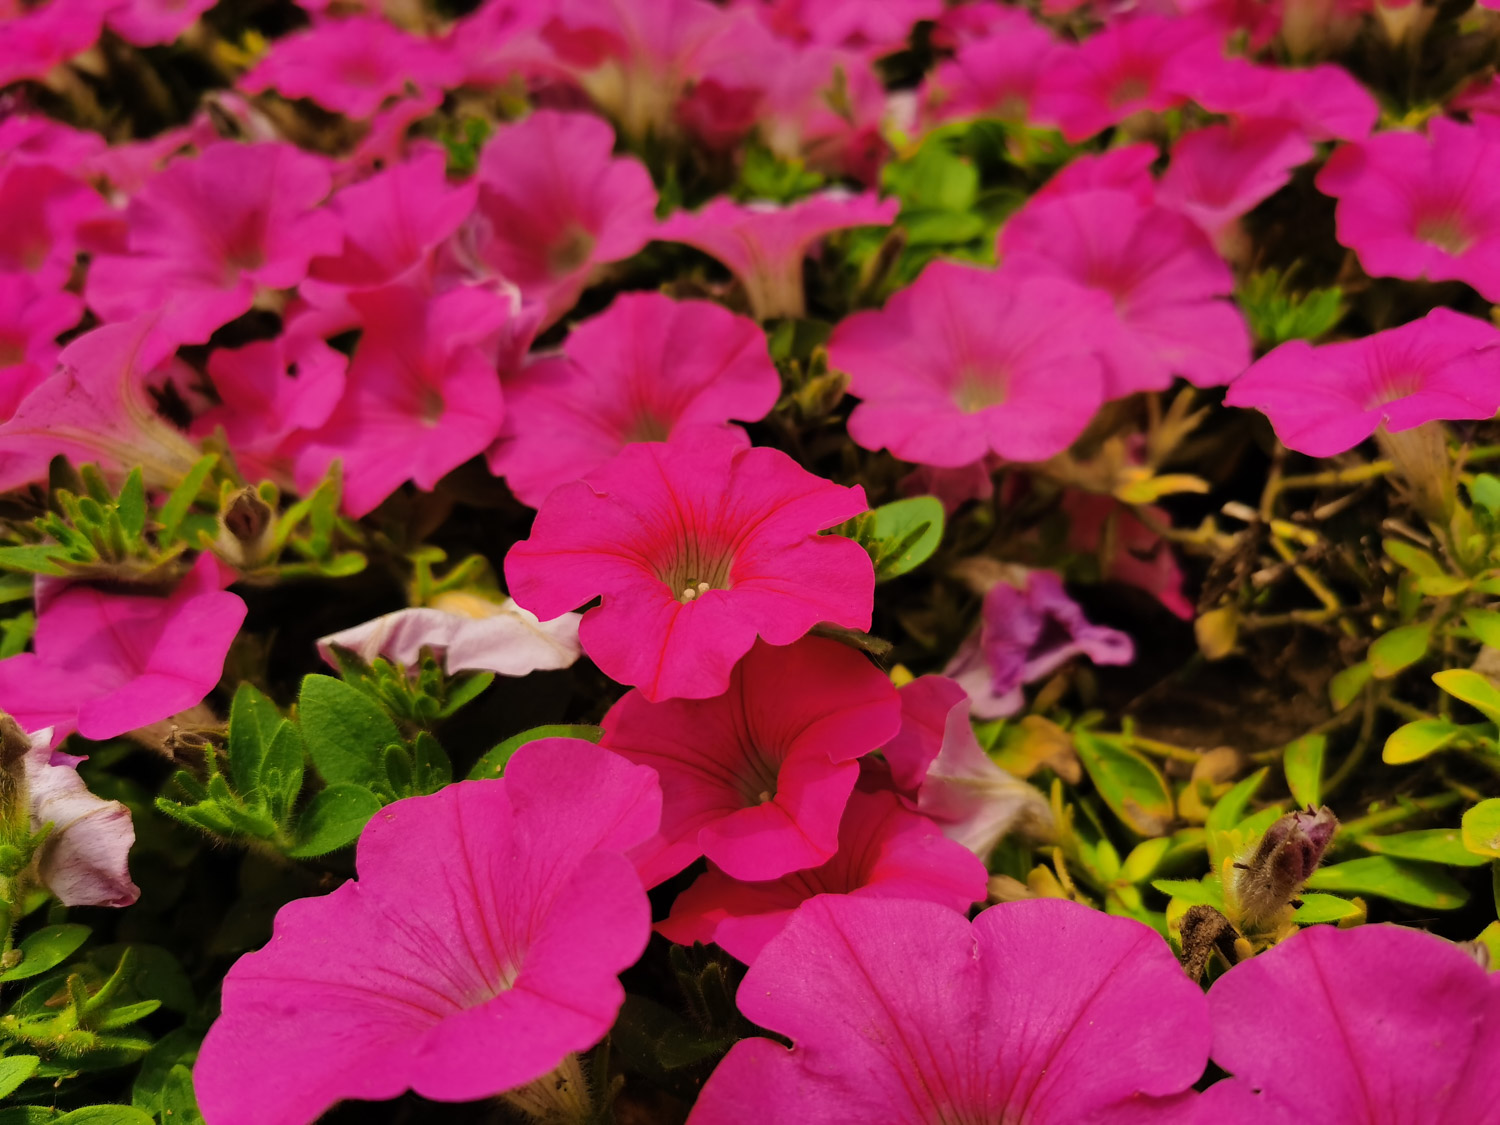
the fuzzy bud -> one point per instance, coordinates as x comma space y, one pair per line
1287, 855
15, 805
247, 523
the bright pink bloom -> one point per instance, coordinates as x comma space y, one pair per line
1141, 556
149, 23
385, 140
478, 948
1325, 102
825, 106
423, 393
884, 851
209, 231
639, 371
1168, 286
554, 203
1025, 635
1377, 1023
954, 487
1414, 206
1126, 169
996, 76
105, 664
349, 66
39, 36
966, 361
876, 29
487, 637
1221, 172
85, 858
698, 546
763, 245
1042, 1011
1325, 400
756, 779
43, 209
30, 138
31, 319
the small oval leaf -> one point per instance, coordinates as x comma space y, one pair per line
1414, 741
1400, 880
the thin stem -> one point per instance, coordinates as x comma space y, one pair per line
1402, 811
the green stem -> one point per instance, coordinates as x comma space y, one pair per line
1403, 811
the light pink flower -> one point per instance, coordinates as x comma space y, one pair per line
43, 212
996, 76
1325, 400
639, 371
1042, 1011
1168, 286
349, 65
85, 859
422, 397
1421, 207
478, 948
1377, 1023
487, 636
105, 664
757, 778
554, 203
149, 23
698, 546
966, 361
1141, 557
1219, 173
209, 231
763, 245
31, 319
884, 851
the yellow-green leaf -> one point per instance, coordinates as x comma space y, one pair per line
1128, 782
1345, 686
1430, 845
1473, 689
1481, 829
1302, 761
1399, 649
1414, 741
1400, 880
1485, 624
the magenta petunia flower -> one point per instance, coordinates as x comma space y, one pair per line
39, 36
1421, 207
1127, 169
1169, 288
884, 851
1219, 173
757, 778
1375, 1023
422, 397
995, 76
478, 948
1138, 556
43, 212
1324, 102
349, 66
1024, 636
209, 231
698, 546
1042, 1011
554, 202
1325, 400
763, 245
105, 664
31, 318
966, 361
639, 371
876, 29
150, 23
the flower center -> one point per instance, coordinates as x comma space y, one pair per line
758, 783
571, 251
648, 427
1444, 230
12, 349
695, 569
1131, 89
431, 408
979, 390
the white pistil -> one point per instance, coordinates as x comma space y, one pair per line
689, 594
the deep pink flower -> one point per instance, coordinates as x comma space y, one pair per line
105, 664
884, 851
995, 76
966, 361
876, 29
1219, 173
423, 393
554, 202
1325, 102
467, 634
31, 319
31, 138
1168, 286
1325, 400
639, 371
209, 231
39, 36
1376, 1023
757, 778
824, 106
43, 210
1140, 556
1025, 635
1127, 169
1042, 1011
698, 546
349, 65
385, 139
1414, 206
478, 948
763, 245
149, 23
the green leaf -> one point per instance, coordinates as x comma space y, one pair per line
493, 763
464, 690
281, 772
1345, 686
172, 512
902, 535
1230, 808
1399, 649
1473, 689
1430, 845
431, 769
1128, 782
1324, 908
179, 1102
1481, 829
39, 559
344, 731
1400, 880
1145, 858
107, 1115
934, 179
15, 1069
253, 723
1413, 558
1485, 624
1489, 937
1302, 761
16, 633
28, 1115
333, 819
1484, 490
1414, 741
1194, 892
46, 949
131, 504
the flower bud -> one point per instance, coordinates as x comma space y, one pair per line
246, 525
15, 802
1287, 855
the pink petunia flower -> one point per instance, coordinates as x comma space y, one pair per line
996, 76
349, 66
1325, 400
1420, 207
422, 397
39, 36
554, 203
209, 231
884, 851
757, 778
1127, 169
1168, 286
44, 210
1025, 635
1042, 1011
477, 950
105, 664
966, 361
1219, 173
150, 23
31, 319
763, 245
639, 371
875, 29
698, 546
1377, 1023
1140, 556
1325, 102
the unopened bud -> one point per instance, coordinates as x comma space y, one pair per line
247, 522
15, 803
1203, 929
1287, 855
